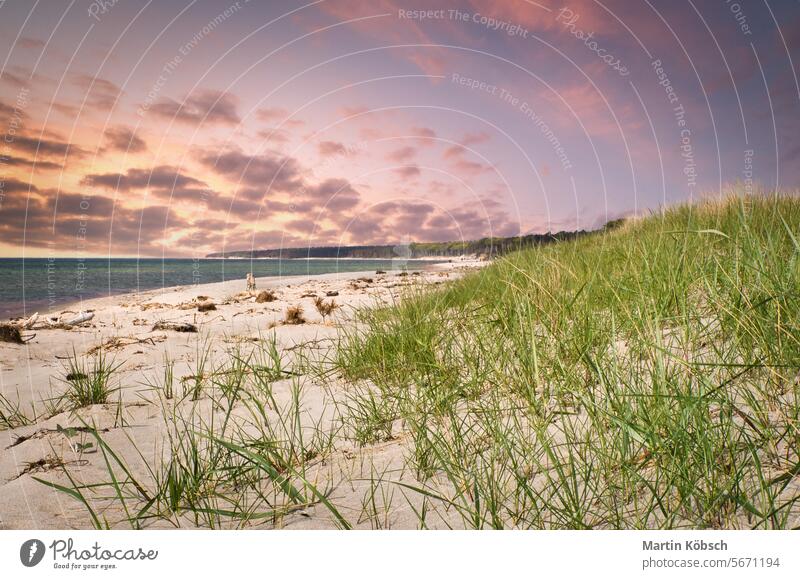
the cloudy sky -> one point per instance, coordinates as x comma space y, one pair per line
183, 127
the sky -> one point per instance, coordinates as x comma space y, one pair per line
178, 128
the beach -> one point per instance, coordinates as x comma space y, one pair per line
53, 437
46, 285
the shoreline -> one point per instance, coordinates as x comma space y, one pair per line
51, 309
214, 287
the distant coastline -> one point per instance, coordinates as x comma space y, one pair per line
478, 248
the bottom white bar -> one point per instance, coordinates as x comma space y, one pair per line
378, 555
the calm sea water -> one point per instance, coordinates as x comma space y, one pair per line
42, 285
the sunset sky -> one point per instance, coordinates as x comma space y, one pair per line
179, 127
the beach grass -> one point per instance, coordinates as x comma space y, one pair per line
645, 376
89, 383
642, 377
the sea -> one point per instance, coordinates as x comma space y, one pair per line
43, 285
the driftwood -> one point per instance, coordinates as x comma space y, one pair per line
28, 323
238, 298
79, 319
121, 342
11, 332
312, 344
200, 302
175, 327
73, 322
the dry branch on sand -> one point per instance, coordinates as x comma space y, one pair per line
117, 343
175, 327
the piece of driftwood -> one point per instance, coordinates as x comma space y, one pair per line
200, 302
117, 343
59, 324
175, 327
27, 324
79, 319
240, 297
311, 344
331, 293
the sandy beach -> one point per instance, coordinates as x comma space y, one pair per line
49, 437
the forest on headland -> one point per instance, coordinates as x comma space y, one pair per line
486, 247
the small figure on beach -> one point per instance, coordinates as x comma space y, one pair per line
251, 282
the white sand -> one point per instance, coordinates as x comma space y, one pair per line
31, 374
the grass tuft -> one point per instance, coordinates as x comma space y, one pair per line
294, 316
324, 308
89, 383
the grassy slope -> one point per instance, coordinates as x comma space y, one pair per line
642, 377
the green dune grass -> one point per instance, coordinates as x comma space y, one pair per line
645, 376
642, 377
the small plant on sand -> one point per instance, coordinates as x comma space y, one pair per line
294, 316
266, 296
368, 415
11, 415
266, 362
324, 308
89, 383
194, 384
166, 385
169, 378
